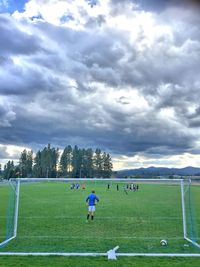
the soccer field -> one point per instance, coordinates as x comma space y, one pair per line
52, 218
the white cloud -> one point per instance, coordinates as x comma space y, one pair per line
11, 152
71, 13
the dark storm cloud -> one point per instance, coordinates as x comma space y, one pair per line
155, 5
15, 79
3, 153
85, 56
18, 81
6, 114
147, 5
14, 41
146, 133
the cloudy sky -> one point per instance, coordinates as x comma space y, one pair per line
121, 75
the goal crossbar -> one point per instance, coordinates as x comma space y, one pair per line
97, 179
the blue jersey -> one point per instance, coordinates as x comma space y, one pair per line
91, 198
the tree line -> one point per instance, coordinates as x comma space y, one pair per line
73, 162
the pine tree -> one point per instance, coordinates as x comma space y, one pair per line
66, 161
98, 163
49, 160
22, 163
9, 170
107, 165
29, 163
75, 162
37, 168
89, 163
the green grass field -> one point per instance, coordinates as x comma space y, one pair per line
52, 218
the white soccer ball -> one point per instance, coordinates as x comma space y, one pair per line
163, 242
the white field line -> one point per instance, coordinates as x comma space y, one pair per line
99, 218
95, 254
97, 237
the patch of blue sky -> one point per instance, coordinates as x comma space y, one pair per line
10, 6
66, 18
92, 2
36, 17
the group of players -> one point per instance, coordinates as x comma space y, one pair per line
77, 186
132, 187
126, 187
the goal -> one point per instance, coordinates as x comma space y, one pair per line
48, 217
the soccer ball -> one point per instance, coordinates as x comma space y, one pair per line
163, 242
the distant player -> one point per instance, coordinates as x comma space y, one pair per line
117, 187
83, 186
91, 200
72, 186
77, 186
125, 189
108, 186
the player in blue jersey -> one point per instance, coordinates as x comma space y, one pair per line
91, 201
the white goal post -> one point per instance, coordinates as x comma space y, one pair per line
180, 182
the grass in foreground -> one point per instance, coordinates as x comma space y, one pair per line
11, 261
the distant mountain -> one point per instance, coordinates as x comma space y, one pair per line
153, 171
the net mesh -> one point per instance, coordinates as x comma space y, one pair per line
7, 210
192, 223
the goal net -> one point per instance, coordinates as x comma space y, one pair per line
8, 211
50, 216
